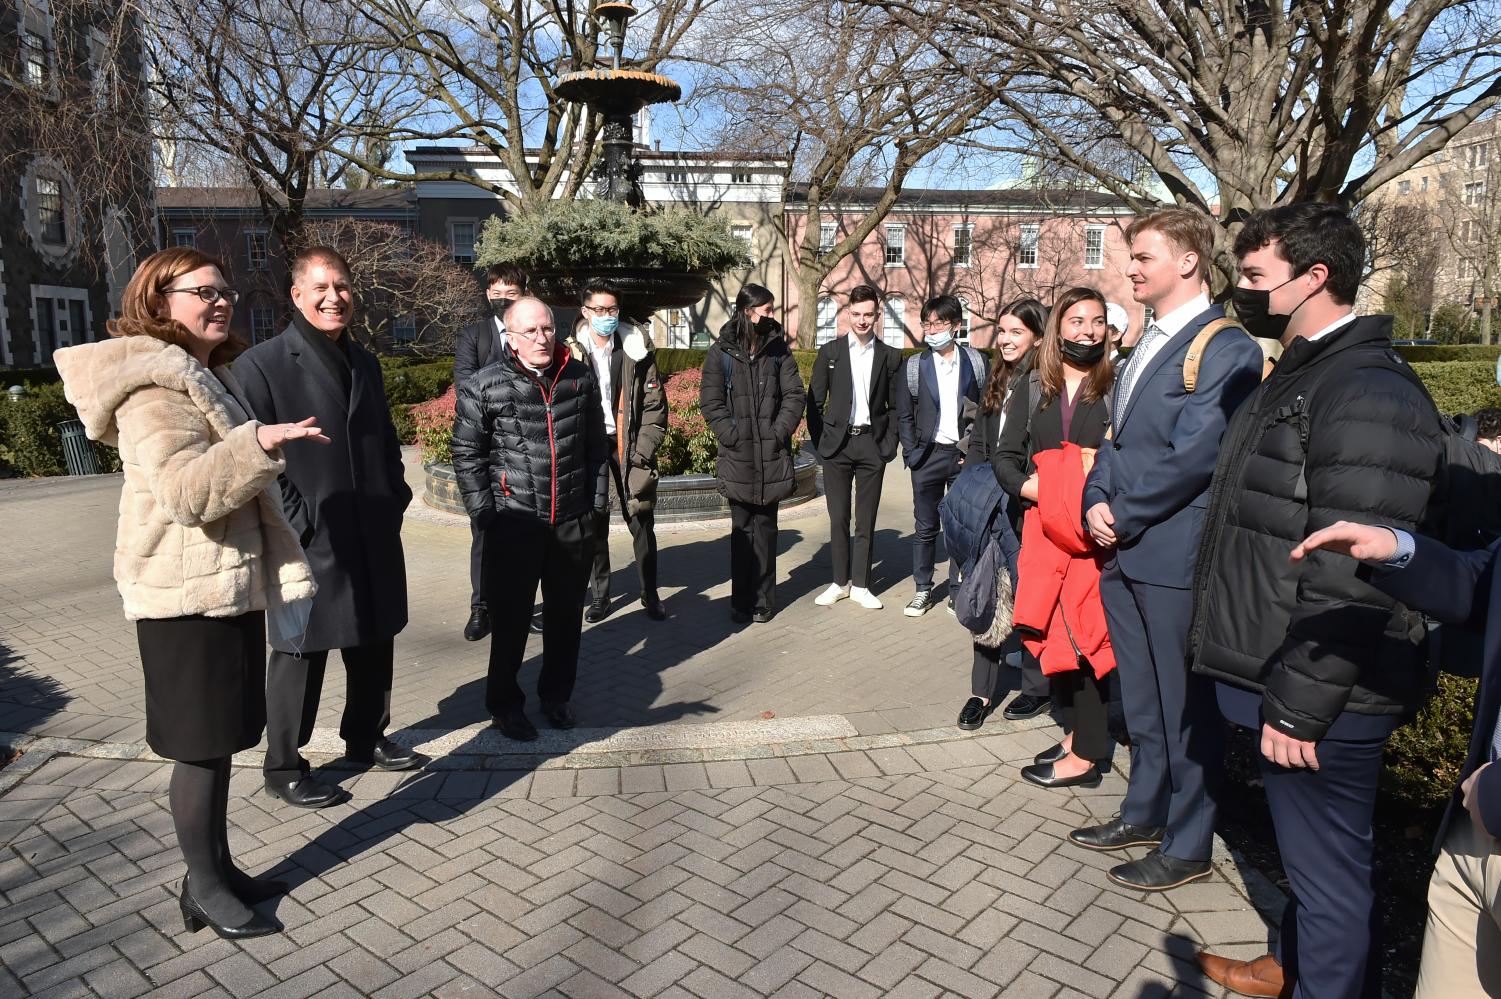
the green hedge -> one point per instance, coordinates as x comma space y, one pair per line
30, 443
1460, 386
1464, 352
1424, 759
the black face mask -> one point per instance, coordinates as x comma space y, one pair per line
1083, 355
498, 307
1251, 308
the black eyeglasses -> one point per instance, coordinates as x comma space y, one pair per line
207, 293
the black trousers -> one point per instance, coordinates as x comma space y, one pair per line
856, 464
476, 566
521, 553
293, 689
1085, 702
643, 539
753, 556
930, 481
985, 671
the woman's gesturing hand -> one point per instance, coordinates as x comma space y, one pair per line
271, 436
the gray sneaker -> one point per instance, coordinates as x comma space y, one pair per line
920, 604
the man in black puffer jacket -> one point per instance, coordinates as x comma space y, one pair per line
1321, 664
528, 446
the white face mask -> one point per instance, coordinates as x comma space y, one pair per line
939, 341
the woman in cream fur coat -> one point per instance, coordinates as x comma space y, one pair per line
202, 552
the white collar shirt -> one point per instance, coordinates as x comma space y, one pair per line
600, 358
862, 359
1339, 323
947, 370
1170, 324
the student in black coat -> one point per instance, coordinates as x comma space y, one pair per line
346, 502
852, 423
752, 398
478, 344
1065, 401
1019, 330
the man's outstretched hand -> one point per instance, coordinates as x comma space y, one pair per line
1359, 541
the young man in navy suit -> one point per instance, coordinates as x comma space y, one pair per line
933, 423
1145, 501
1462, 943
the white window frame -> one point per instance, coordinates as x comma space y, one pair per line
679, 328
1476, 155
828, 235
404, 328
894, 244
894, 321
746, 233
262, 323
1474, 192
1094, 256
966, 230
453, 246
191, 234
741, 178
60, 294
1027, 245
1404, 187
250, 237
60, 193
675, 176
36, 57
962, 334
826, 320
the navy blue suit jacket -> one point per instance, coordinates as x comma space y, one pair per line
1456, 588
1154, 471
917, 419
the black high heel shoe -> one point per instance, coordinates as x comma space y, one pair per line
251, 891
195, 919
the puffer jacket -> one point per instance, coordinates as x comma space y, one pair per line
1058, 608
1314, 639
530, 446
201, 527
754, 421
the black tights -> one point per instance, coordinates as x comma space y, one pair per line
199, 798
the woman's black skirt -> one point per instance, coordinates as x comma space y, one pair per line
205, 684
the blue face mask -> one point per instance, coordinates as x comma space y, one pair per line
604, 325
939, 341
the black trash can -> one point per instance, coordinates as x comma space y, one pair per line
78, 450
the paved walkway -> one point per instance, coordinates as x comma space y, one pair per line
782, 809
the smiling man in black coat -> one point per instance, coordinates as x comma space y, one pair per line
346, 502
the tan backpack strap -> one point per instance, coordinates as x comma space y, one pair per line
1200, 344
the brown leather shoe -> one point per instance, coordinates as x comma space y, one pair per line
1261, 977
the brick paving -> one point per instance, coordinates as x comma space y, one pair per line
903, 859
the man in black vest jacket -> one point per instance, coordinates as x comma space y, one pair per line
851, 396
528, 447
477, 345
1311, 657
346, 501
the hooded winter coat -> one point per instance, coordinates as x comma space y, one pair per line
1058, 572
201, 528
753, 401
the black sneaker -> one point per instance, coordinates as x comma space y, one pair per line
919, 604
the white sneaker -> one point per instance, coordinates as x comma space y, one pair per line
832, 595
865, 598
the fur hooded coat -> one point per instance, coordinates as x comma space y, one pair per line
201, 531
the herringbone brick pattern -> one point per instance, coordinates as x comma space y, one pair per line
947, 877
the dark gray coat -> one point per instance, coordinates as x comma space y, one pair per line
345, 499
754, 421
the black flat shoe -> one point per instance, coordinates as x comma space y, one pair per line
1050, 755
1116, 834
654, 608
974, 713
1024, 706
559, 715
478, 626
515, 725
195, 919
304, 792
389, 755
598, 611
1043, 775
1158, 872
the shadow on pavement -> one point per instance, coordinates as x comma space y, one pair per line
27, 698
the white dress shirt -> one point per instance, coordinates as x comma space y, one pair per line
861, 361
947, 431
1150, 346
600, 358
1339, 323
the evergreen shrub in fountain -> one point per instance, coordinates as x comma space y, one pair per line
573, 235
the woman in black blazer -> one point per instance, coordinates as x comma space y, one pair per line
1018, 331
1066, 400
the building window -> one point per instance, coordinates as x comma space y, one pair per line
404, 328
894, 322
1474, 192
676, 176
61, 317
828, 320
1094, 246
1027, 253
255, 250
746, 233
1424, 185
185, 237
461, 241
35, 60
51, 217
962, 334
964, 238
1404, 187
828, 232
262, 323
1476, 155
1467, 230
740, 177
896, 245
678, 332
